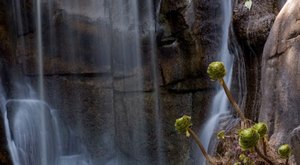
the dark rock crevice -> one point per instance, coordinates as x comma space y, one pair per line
252, 29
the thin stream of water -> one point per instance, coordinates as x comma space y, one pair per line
44, 158
151, 26
220, 102
35, 132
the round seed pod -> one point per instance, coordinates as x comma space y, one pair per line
248, 138
216, 70
285, 151
261, 128
183, 123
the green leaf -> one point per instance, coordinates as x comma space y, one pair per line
248, 4
187, 134
261, 128
221, 135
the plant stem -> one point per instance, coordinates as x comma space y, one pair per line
264, 145
287, 161
232, 101
263, 156
198, 142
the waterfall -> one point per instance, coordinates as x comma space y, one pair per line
43, 138
151, 28
29, 134
82, 97
23, 119
220, 102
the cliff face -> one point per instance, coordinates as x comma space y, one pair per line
252, 29
6, 62
280, 78
188, 35
95, 97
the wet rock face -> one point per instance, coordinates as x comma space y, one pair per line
6, 60
4, 152
188, 39
252, 29
253, 25
85, 107
280, 75
97, 100
103, 106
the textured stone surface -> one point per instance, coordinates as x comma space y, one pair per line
174, 106
143, 108
59, 49
99, 103
294, 138
253, 25
85, 106
188, 39
280, 70
252, 29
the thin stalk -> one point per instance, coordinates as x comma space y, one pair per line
263, 156
198, 142
264, 145
232, 101
287, 161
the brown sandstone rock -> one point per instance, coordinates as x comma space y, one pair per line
280, 75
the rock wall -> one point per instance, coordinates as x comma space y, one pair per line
187, 36
280, 78
96, 100
252, 29
6, 62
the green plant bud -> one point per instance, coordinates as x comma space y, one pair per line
182, 124
216, 70
248, 138
285, 151
237, 163
247, 161
261, 128
221, 135
242, 157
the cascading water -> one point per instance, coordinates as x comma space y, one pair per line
42, 115
100, 43
220, 102
26, 130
